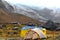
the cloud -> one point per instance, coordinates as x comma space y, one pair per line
43, 3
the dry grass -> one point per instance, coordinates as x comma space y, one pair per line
53, 35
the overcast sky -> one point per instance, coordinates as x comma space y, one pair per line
43, 3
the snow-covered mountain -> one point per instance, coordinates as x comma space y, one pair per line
41, 14
38, 13
8, 15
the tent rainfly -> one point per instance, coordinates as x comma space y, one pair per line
35, 33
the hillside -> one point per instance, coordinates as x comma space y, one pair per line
4, 17
38, 13
24, 19
7, 16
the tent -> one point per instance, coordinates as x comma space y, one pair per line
35, 33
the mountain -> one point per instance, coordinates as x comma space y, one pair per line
4, 17
41, 14
33, 12
23, 14
28, 11
8, 15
